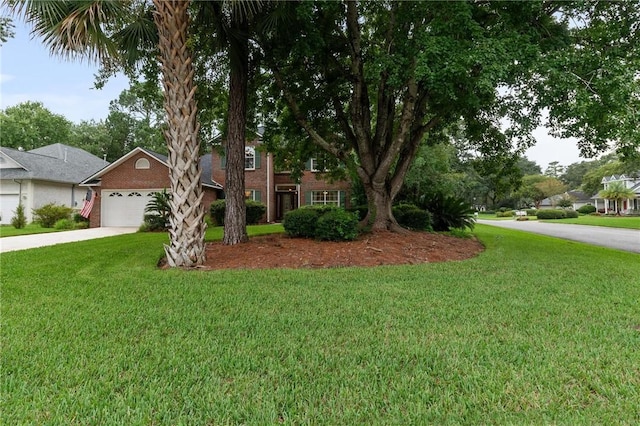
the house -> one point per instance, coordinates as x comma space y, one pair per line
49, 174
629, 205
125, 187
578, 199
277, 189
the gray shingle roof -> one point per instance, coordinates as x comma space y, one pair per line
55, 163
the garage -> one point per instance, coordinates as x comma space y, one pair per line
124, 207
8, 206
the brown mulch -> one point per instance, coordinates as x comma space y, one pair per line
380, 248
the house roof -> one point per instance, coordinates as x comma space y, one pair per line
205, 167
54, 163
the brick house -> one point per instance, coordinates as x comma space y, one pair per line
124, 187
276, 189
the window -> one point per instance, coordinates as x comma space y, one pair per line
316, 167
142, 163
249, 158
331, 198
252, 194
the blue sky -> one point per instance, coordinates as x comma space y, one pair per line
29, 73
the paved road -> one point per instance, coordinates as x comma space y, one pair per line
23, 242
617, 238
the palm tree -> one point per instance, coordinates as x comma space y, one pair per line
85, 29
617, 192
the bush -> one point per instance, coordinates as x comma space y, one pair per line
301, 222
337, 225
570, 214
532, 212
19, 221
254, 210
360, 210
49, 214
449, 212
412, 217
551, 214
158, 212
64, 224
587, 209
504, 213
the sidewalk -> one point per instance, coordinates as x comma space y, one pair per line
24, 242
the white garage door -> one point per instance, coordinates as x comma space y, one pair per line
124, 207
8, 206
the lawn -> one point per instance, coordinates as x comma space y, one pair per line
632, 222
535, 330
32, 228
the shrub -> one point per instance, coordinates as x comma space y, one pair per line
411, 216
570, 214
254, 210
64, 224
587, 209
360, 210
49, 214
532, 212
19, 221
158, 211
551, 214
337, 225
449, 212
504, 213
217, 212
301, 222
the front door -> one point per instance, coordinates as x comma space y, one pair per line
285, 202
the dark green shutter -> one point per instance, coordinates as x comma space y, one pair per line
257, 156
307, 198
257, 195
223, 160
307, 165
341, 198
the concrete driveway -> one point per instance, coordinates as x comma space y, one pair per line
23, 242
617, 238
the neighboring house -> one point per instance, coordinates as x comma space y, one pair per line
125, 187
49, 174
276, 189
629, 205
578, 199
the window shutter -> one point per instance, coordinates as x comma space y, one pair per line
257, 157
341, 198
307, 198
257, 195
223, 160
307, 165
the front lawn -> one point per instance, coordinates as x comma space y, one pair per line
32, 228
535, 330
632, 222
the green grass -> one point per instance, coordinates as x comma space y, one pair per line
610, 221
535, 330
32, 228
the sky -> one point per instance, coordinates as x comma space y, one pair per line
29, 73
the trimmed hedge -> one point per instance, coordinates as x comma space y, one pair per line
337, 225
532, 212
301, 222
557, 214
255, 211
505, 213
587, 209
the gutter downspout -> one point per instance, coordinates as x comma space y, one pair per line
268, 187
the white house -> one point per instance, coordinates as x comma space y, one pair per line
49, 174
628, 205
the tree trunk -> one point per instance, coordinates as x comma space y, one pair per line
235, 216
187, 226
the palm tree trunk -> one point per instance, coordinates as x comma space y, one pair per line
186, 233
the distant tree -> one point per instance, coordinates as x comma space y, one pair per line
592, 180
554, 170
528, 167
617, 192
536, 188
30, 125
565, 201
